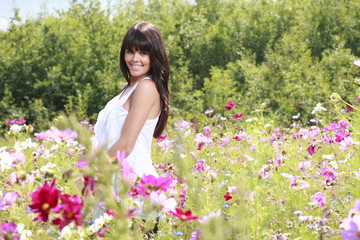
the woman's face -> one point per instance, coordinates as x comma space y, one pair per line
138, 63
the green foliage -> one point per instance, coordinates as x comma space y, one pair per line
272, 52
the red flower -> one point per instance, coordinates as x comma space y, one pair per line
230, 105
160, 138
89, 184
237, 138
227, 196
44, 199
184, 216
70, 207
238, 116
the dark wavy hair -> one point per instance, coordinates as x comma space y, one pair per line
144, 36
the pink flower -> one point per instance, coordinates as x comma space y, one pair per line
84, 122
303, 166
160, 138
230, 105
357, 63
209, 111
207, 218
150, 183
165, 145
319, 198
352, 229
167, 204
127, 171
183, 215
238, 116
70, 207
17, 158
207, 131
200, 165
61, 135
182, 125
8, 200
346, 143
44, 199
329, 173
8, 231
296, 116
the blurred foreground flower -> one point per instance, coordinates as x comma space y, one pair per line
184, 215
44, 199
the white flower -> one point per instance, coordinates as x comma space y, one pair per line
97, 225
28, 143
48, 167
318, 108
24, 234
66, 233
5, 161
329, 156
15, 128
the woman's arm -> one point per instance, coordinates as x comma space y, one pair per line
144, 103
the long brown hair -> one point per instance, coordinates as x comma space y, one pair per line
144, 36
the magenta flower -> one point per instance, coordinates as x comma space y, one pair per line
207, 131
44, 199
8, 231
160, 138
238, 116
311, 149
150, 183
183, 215
319, 198
15, 121
8, 200
70, 207
328, 173
230, 105
200, 165
341, 134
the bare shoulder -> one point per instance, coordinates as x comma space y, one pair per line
147, 86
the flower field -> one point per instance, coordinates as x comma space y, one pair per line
230, 176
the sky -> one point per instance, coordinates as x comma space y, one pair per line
31, 8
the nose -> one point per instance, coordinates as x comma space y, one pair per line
136, 56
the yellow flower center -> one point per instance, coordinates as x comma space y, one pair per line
45, 206
69, 215
183, 216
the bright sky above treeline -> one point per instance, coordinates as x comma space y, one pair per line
31, 8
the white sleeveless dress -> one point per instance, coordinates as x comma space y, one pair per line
108, 130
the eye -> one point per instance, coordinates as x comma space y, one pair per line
129, 51
144, 53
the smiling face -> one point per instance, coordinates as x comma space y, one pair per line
138, 63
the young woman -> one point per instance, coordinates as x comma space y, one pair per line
140, 112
